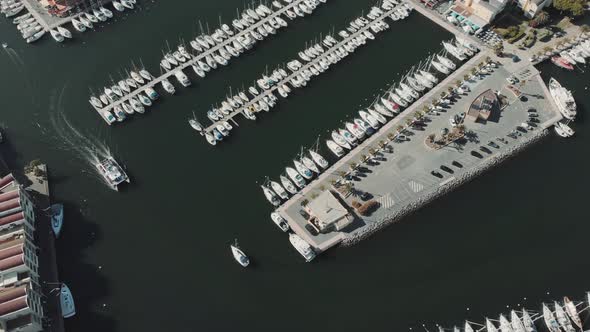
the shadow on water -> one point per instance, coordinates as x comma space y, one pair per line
88, 284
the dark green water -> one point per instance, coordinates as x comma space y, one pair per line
155, 256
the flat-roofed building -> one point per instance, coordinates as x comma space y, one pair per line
328, 214
532, 7
20, 302
476, 14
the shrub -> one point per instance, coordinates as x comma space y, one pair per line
368, 207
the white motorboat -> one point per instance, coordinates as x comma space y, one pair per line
440, 67
145, 74
270, 196
95, 102
127, 108
67, 305
136, 77
335, 148
468, 327
78, 25
302, 247
57, 216
563, 130
195, 124
429, 76
516, 323
288, 185
295, 177
136, 105
563, 99
118, 6
106, 12
340, 140
35, 36
309, 163
377, 116
64, 32
550, 320
211, 139
505, 324
279, 190
318, 159
279, 221
239, 255
572, 312
168, 86
446, 62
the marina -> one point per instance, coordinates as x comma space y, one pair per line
301, 73
110, 107
38, 21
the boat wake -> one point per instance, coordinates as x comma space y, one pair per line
14, 57
87, 147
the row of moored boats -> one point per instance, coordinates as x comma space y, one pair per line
566, 105
562, 317
131, 94
567, 59
399, 96
312, 61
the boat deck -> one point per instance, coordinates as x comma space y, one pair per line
213, 50
309, 64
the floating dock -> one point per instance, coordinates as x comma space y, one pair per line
212, 51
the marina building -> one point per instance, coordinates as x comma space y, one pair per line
20, 299
328, 214
476, 14
532, 7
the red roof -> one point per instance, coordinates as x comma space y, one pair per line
9, 205
8, 195
12, 251
12, 218
14, 305
6, 180
11, 262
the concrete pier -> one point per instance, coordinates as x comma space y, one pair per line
213, 50
47, 21
309, 64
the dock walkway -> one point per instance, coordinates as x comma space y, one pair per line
201, 56
47, 21
309, 64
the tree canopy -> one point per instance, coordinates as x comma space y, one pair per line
575, 7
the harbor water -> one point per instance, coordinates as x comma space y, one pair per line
155, 256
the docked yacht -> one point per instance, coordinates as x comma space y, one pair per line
302, 169
340, 140
57, 215
288, 185
182, 78
279, 221
195, 124
550, 320
563, 130
68, 308
295, 177
572, 312
302, 247
56, 35
335, 148
310, 164
505, 324
318, 159
239, 255
563, 99
270, 196
279, 190
562, 319
490, 327
112, 172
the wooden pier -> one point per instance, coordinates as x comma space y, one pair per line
309, 64
192, 61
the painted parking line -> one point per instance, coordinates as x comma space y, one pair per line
416, 186
386, 201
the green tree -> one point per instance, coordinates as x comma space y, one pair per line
574, 7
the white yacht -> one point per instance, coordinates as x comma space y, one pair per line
302, 247
505, 324
490, 327
56, 36
64, 32
318, 159
239, 255
68, 308
563, 99
572, 311
563, 130
295, 177
279, 221
550, 320
446, 62
271, 196
302, 169
310, 164
279, 190
335, 148
288, 185
195, 124
468, 327
112, 172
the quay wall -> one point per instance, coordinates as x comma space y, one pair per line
443, 189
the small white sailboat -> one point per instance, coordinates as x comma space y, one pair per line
279, 190
295, 177
572, 312
288, 185
64, 32
271, 196
529, 325
239, 255
318, 159
56, 36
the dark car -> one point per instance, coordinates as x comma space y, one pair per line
531, 110
366, 196
493, 144
447, 169
457, 164
484, 149
304, 214
437, 174
476, 154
